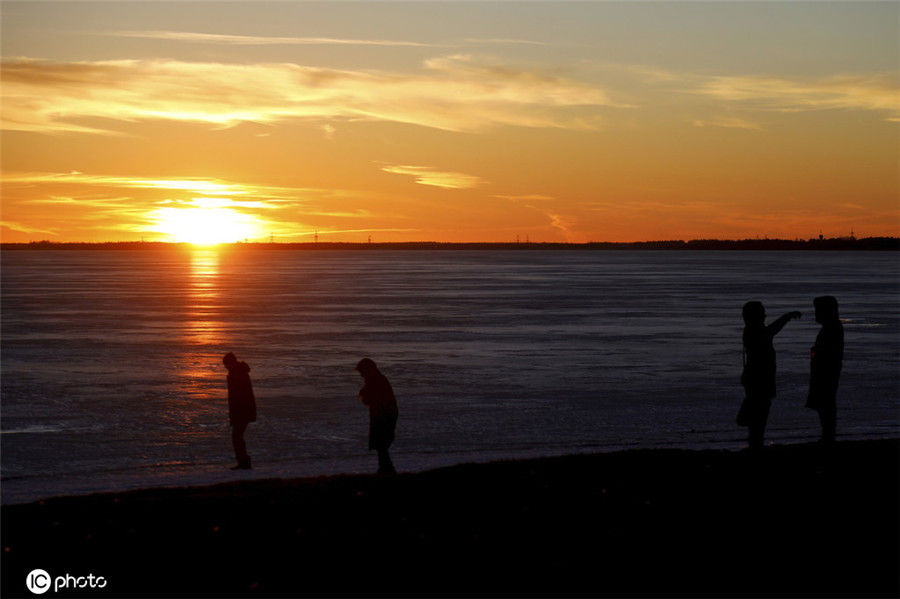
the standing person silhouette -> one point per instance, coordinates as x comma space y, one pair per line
241, 407
758, 376
826, 359
379, 396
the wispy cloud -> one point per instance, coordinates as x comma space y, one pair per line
534, 197
646, 73
257, 40
373, 230
880, 92
210, 191
340, 213
14, 226
90, 201
426, 175
518, 85
502, 41
728, 123
455, 93
561, 223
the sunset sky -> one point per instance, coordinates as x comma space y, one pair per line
450, 121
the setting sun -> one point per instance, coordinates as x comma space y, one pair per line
205, 226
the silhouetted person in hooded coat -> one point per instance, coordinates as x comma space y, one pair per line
758, 376
379, 396
826, 359
241, 407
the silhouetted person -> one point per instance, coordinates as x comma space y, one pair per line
241, 407
758, 376
379, 396
826, 359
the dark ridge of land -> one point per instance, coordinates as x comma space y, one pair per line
843, 243
792, 521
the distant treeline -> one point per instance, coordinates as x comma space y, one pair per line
842, 243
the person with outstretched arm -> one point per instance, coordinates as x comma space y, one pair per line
758, 376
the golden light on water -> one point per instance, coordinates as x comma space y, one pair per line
199, 365
204, 326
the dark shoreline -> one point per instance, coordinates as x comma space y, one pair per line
830, 244
793, 521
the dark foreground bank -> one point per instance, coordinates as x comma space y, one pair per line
791, 521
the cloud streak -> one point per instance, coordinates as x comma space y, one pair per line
15, 226
532, 197
503, 41
425, 175
879, 92
455, 93
255, 40
211, 191
728, 123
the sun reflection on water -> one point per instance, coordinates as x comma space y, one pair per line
200, 366
204, 296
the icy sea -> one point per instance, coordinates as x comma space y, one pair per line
111, 375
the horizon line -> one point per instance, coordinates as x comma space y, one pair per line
311, 243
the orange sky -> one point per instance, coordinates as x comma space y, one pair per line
448, 121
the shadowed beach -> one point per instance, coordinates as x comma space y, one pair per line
790, 521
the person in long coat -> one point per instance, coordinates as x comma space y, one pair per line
378, 395
241, 407
758, 376
826, 360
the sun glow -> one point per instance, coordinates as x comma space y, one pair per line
205, 225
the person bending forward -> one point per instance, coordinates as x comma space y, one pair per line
378, 395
